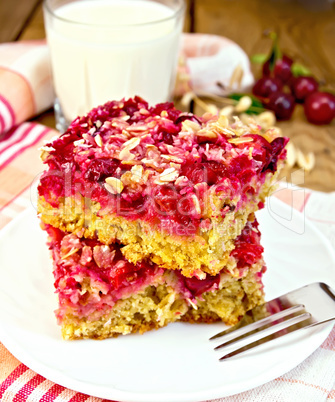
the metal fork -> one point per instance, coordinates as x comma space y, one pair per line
302, 308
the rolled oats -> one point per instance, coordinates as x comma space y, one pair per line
114, 185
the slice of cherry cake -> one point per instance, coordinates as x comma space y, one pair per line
171, 188
150, 217
101, 294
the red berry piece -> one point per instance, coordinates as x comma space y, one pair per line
199, 286
166, 200
320, 108
304, 86
266, 86
282, 104
100, 168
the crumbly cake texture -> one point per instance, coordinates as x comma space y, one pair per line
150, 217
101, 294
172, 188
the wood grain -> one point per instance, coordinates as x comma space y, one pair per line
317, 139
14, 16
306, 28
35, 28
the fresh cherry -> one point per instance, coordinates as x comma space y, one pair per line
303, 86
320, 108
266, 86
282, 104
282, 68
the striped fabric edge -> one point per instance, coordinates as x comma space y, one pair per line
14, 376
23, 136
7, 115
28, 388
15, 135
22, 382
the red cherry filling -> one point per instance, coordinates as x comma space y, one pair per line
199, 286
63, 148
247, 254
117, 274
247, 248
124, 272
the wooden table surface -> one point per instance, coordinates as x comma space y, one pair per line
307, 33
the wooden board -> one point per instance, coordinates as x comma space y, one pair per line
14, 17
306, 28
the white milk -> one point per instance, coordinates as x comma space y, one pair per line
118, 53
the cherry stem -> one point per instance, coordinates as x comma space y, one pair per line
275, 50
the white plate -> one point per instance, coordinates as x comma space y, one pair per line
176, 363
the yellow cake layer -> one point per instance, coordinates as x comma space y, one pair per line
207, 252
159, 304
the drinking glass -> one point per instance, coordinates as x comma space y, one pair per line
110, 49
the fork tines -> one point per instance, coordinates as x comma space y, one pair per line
302, 308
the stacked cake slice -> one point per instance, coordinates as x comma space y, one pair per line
150, 217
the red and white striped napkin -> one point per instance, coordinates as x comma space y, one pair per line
25, 91
19, 164
25, 82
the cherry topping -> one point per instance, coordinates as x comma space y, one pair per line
208, 171
320, 108
99, 169
167, 107
268, 153
215, 171
166, 199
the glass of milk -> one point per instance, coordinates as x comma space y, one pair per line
105, 50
